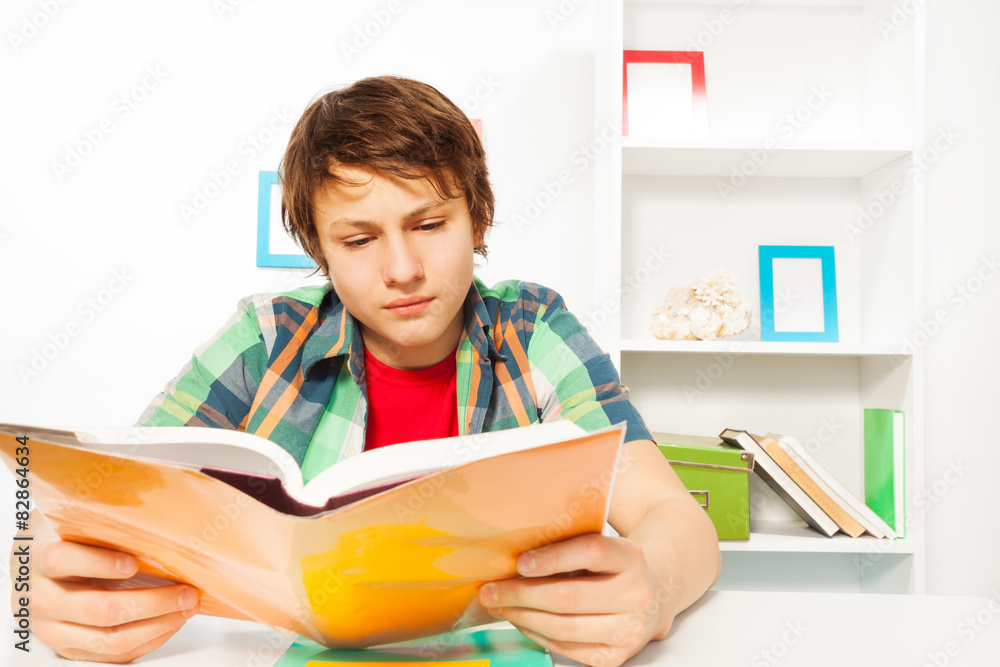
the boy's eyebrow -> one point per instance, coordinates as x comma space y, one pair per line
368, 224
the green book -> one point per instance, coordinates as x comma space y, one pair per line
885, 452
493, 645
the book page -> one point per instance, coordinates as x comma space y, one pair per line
413, 459
191, 447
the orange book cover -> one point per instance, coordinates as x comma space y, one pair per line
405, 562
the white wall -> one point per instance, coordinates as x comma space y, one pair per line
112, 229
63, 241
963, 359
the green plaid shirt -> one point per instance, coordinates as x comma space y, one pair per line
290, 367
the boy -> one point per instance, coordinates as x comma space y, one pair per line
385, 186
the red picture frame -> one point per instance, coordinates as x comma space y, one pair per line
696, 59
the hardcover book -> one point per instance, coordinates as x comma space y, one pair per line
784, 486
803, 477
885, 452
873, 524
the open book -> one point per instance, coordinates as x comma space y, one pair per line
386, 546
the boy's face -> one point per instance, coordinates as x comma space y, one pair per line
400, 259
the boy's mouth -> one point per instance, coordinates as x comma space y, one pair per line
409, 305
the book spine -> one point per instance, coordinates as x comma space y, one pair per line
880, 474
864, 515
846, 522
783, 485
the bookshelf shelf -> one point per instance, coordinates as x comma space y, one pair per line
756, 347
789, 537
820, 159
759, 3
675, 207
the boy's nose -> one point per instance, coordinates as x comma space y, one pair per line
402, 265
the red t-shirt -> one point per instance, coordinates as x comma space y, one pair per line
406, 405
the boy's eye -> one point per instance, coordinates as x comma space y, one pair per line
428, 226
357, 243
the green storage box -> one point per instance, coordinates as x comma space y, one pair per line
717, 475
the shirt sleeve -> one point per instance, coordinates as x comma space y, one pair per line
574, 378
216, 387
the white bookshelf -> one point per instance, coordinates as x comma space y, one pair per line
790, 537
819, 159
823, 185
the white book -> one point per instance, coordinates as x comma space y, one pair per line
849, 501
780, 482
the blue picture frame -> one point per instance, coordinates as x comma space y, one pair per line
767, 254
265, 258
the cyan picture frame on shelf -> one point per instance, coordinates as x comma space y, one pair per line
798, 294
269, 227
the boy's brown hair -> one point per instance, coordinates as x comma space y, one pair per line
390, 124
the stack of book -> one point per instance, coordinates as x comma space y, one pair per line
809, 489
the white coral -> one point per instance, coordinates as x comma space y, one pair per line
706, 309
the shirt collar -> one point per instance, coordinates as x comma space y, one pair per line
338, 333
478, 323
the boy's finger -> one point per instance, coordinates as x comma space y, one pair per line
94, 606
590, 594
62, 559
118, 644
593, 553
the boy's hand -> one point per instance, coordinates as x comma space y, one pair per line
591, 598
82, 621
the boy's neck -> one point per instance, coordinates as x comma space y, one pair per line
417, 357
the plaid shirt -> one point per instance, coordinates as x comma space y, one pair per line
290, 368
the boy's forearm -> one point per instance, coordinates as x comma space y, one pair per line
682, 551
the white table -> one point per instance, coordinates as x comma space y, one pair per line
723, 628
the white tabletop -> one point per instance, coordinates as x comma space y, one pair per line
723, 628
